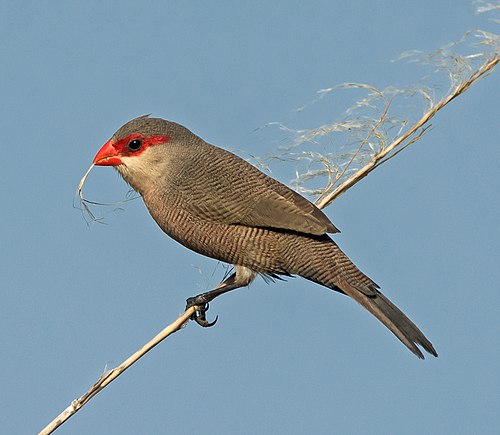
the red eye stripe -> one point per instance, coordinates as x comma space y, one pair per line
111, 152
157, 140
122, 149
121, 145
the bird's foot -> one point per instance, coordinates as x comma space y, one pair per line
202, 307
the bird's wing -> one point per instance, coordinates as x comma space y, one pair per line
277, 206
241, 194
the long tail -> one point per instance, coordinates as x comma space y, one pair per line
392, 317
322, 261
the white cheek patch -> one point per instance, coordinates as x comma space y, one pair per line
143, 170
136, 163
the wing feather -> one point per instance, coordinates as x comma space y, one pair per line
242, 194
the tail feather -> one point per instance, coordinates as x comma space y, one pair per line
392, 317
319, 259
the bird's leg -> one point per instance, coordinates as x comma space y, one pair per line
203, 299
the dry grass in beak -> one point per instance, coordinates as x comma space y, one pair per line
85, 204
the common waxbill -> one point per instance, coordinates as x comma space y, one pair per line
219, 205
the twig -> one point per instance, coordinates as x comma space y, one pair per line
405, 140
111, 375
412, 135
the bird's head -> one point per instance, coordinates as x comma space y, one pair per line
139, 150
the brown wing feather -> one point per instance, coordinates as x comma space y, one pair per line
282, 208
241, 194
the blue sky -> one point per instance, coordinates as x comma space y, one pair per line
291, 357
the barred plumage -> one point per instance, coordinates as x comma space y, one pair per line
218, 205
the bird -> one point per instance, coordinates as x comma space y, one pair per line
219, 205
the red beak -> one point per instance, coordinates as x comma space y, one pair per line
108, 155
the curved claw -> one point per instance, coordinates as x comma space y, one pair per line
204, 322
199, 315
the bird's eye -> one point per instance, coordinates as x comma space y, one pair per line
135, 145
